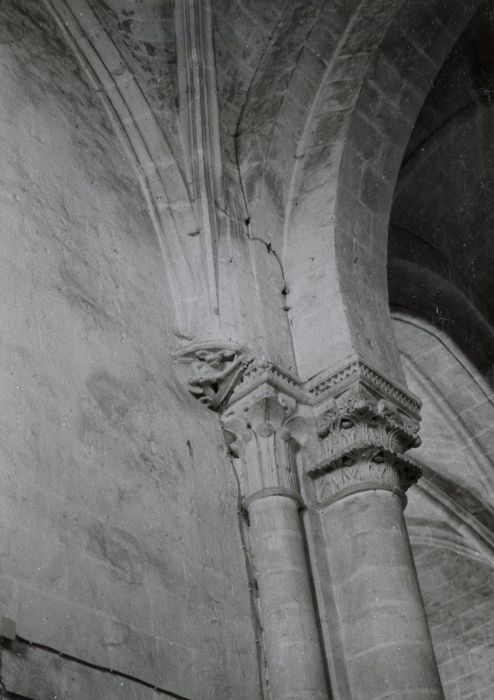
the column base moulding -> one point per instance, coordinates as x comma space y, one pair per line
274, 491
362, 488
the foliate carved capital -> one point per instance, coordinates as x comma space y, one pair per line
263, 427
353, 425
362, 438
212, 369
363, 470
359, 416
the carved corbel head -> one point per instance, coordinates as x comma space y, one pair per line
212, 369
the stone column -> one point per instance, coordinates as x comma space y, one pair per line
359, 488
261, 426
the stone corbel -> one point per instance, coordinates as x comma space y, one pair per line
212, 370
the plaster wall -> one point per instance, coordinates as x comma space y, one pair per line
119, 538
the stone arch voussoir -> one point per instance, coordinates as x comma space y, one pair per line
415, 46
343, 180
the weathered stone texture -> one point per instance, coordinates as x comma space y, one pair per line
457, 408
120, 542
40, 674
458, 600
144, 32
408, 70
455, 570
377, 599
129, 543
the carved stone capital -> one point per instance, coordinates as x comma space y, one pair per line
369, 471
331, 384
212, 369
353, 426
362, 438
263, 428
359, 416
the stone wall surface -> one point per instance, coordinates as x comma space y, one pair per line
369, 94
452, 542
458, 409
227, 204
50, 676
119, 541
457, 594
145, 34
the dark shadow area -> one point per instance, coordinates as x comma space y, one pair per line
441, 247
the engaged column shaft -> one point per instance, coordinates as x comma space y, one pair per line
387, 644
358, 486
289, 624
261, 428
